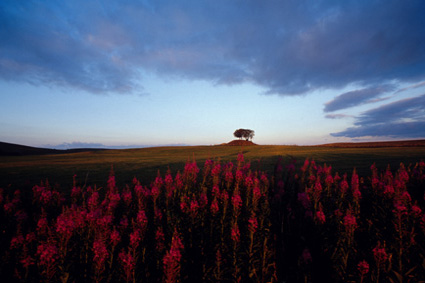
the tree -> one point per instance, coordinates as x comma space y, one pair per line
244, 133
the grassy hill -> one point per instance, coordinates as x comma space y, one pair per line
93, 166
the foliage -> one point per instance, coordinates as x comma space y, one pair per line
244, 133
223, 222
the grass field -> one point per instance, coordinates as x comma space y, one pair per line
93, 167
214, 221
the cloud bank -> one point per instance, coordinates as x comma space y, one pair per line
287, 47
403, 118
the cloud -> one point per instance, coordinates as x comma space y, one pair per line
337, 116
401, 119
287, 47
73, 145
356, 97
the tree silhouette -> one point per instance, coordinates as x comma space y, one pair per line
244, 133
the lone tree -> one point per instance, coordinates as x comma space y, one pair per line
244, 133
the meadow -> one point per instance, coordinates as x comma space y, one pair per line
215, 214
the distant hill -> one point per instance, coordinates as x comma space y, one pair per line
11, 149
407, 143
240, 143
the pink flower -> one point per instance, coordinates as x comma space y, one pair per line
214, 207
159, 238
100, 253
306, 256
64, 225
172, 259
240, 157
304, 199
17, 241
142, 220
363, 267
27, 261
252, 224
115, 238
350, 222
48, 254
135, 239
320, 216
127, 197
42, 226
305, 166
128, 263
416, 211
194, 207
236, 202
235, 234
379, 254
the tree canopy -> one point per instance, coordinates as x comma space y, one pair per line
244, 133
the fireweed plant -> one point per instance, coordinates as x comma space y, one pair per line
224, 222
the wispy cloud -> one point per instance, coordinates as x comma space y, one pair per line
357, 97
337, 116
287, 47
404, 118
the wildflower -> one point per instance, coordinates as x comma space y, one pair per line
306, 256
115, 238
203, 200
128, 263
215, 172
64, 225
42, 226
239, 176
416, 211
172, 259
17, 241
240, 157
135, 239
194, 206
159, 238
142, 220
93, 200
214, 206
350, 222
304, 199
379, 254
228, 177
235, 234
389, 191
252, 224
305, 166
320, 216
47, 253
127, 197
27, 261
363, 267
215, 191
100, 253
236, 202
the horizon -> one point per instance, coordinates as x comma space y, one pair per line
187, 73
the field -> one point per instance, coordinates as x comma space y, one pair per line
93, 166
215, 214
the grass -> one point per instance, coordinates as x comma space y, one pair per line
93, 167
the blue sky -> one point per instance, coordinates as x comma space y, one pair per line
145, 73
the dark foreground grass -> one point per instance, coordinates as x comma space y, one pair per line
93, 167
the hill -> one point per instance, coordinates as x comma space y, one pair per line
407, 143
11, 149
240, 143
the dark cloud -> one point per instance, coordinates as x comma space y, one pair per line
288, 47
404, 118
356, 97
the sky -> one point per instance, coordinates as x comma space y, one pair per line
78, 73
